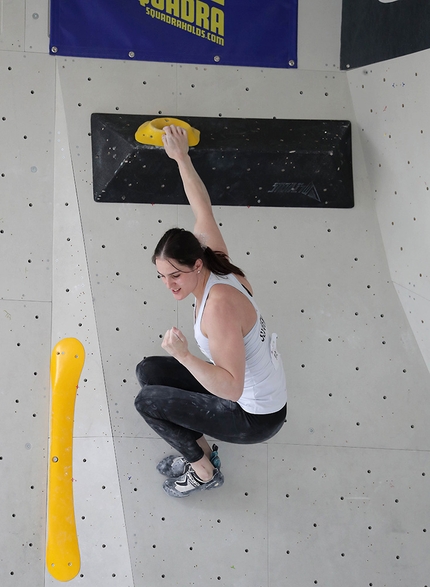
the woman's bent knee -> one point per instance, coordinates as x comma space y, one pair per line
139, 402
145, 402
148, 370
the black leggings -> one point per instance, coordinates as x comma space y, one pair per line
181, 410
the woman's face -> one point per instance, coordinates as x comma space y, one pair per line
180, 279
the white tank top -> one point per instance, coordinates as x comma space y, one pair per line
264, 389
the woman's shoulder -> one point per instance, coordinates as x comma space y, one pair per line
237, 293
231, 302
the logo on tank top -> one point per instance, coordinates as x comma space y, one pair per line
263, 329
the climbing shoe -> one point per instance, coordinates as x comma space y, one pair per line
189, 482
172, 466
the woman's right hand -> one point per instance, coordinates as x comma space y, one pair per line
175, 343
175, 141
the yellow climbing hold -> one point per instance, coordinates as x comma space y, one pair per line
62, 549
150, 132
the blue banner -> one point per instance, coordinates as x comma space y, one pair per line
256, 33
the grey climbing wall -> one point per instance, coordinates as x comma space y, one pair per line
340, 496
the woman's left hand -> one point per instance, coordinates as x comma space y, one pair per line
175, 343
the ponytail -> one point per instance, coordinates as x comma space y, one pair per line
219, 263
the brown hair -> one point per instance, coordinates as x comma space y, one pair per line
185, 248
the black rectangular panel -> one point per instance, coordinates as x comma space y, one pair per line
243, 162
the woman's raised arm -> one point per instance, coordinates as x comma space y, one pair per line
206, 229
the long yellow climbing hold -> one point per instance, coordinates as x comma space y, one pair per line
62, 550
150, 132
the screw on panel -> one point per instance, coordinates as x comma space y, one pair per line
54, 49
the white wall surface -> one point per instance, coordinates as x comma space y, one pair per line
391, 101
340, 496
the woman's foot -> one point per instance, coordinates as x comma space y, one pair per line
189, 482
174, 466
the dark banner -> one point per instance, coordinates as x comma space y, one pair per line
228, 32
377, 30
